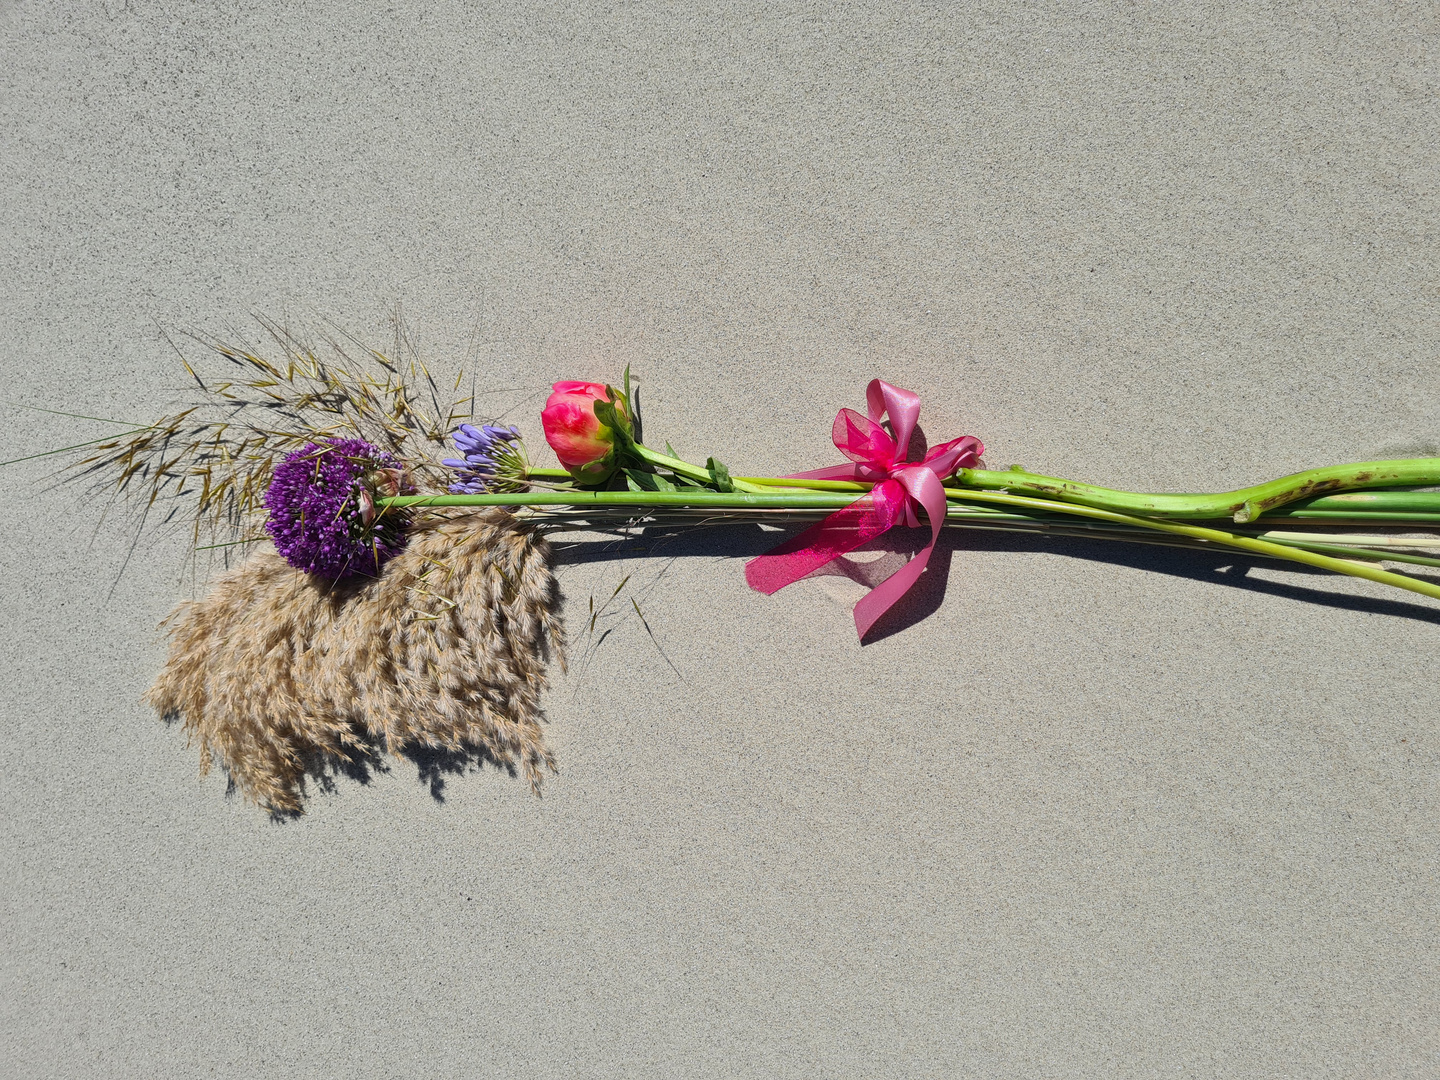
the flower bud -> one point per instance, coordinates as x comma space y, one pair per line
584, 445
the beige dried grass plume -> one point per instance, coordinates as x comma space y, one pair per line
276, 673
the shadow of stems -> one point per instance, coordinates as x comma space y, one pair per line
1229, 569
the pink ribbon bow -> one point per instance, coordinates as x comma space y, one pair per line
900, 486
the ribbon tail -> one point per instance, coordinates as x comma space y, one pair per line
925, 488
881, 598
842, 531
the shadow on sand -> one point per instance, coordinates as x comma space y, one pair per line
435, 768
1230, 569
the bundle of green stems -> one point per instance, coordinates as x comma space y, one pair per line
1348, 519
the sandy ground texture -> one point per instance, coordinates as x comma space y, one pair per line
1081, 810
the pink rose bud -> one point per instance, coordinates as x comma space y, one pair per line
584, 445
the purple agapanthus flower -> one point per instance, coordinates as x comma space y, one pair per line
323, 517
491, 463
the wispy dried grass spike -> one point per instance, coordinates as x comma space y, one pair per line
221, 451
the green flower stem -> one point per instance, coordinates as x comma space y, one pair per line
1244, 504
684, 468
816, 500
1376, 504
1366, 540
1425, 502
1340, 517
1399, 506
806, 485
1379, 548
689, 500
1358, 505
579, 497
1344, 552
1244, 543
664, 461
974, 518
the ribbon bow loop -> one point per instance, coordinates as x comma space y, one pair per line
903, 407
901, 487
863, 441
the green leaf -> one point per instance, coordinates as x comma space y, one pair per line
719, 475
605, 413
644, 480
632, 403
608, 415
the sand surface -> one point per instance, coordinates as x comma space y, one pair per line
1083, 810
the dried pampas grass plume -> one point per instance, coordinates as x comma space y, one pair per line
275, 671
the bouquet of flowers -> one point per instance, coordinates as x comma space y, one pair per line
405, 599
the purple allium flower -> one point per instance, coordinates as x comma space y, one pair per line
323, 517
490, 463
